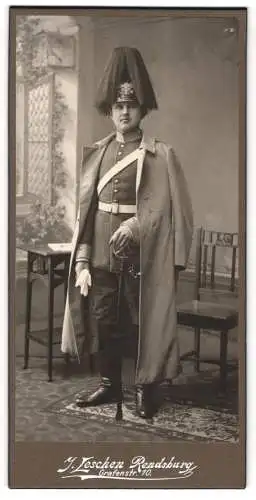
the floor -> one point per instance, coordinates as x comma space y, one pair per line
33, 423
33, 392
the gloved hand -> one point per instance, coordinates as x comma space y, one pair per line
121, 238
83, 277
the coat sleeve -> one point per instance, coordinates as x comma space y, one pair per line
84, 243
84, 247
182, 212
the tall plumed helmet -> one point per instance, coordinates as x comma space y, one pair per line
125, 66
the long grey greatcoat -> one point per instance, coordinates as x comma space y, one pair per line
166, 223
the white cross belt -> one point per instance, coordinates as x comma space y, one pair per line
119, 167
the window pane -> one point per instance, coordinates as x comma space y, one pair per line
19, 138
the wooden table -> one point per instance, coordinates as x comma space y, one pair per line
52, 266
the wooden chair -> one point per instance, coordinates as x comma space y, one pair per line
214, 306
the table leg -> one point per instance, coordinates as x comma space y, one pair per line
197, 349
66, 268
28, 311
50, 316
92, 364
223, 359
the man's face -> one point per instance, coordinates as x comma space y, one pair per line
126, 116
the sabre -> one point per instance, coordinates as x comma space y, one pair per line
122, 258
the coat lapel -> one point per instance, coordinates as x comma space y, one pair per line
92, 156
147, 145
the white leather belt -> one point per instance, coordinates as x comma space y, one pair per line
116, 208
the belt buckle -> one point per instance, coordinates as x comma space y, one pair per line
115, 208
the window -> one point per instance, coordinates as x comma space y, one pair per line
34, 113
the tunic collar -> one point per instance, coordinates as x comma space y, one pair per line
147, 142
134, 135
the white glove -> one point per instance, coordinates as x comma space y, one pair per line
84, 280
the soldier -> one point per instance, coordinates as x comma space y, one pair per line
133, 235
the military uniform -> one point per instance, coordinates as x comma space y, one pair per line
159, 225
112, 310
120, 190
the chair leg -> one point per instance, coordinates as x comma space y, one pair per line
28, 314
223, 359
197, 349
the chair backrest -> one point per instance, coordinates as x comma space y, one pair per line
216, 262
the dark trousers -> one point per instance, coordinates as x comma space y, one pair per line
113, 309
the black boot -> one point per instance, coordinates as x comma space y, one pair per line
144, 399
110, 388
107, 392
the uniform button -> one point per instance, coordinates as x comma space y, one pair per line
115, 190
116, 181
119, 153
115, 201
121, 145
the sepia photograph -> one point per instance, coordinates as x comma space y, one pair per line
127, 169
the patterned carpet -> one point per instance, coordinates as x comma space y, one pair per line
44, 412
193, 408
191, 411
